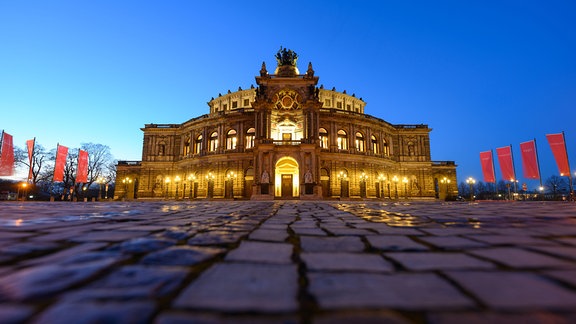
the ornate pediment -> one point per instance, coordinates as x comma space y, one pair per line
287, 99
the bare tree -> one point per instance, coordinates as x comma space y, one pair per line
100, 165
556, 184
99, 160
40, 159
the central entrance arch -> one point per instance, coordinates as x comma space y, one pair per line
287, 178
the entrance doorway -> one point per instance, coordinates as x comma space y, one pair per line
287, 178
286, 186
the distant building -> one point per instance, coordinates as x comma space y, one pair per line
286, 138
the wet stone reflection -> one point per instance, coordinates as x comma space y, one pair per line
287, 262
390, 218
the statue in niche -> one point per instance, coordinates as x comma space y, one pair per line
308, 178
265, 178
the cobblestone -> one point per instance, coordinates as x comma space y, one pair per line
287, 262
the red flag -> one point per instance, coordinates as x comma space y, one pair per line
558, 147
61, 154
506, 162
82, 172
30, 146
487, 166
530, 160
7, 155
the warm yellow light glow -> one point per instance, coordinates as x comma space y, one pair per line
286, 166
395, 179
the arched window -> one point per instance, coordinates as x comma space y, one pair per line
186, 151
231, 139
323, 138
342, 140
375, 147
213, 142
250, 134
359, 142
198, 145
386, 148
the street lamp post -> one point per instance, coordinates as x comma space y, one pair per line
191, 178
100, 182
382, 180
342, 176
363, 178
126, 181
445, 182
230, 179
23, 185
405, 181
210, 180
395, 180
177, 181
470, 181
167, 183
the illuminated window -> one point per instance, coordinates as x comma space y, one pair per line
231, 139
386, 148
323, 138
250, 134
213, 142
187, 147
342, 140
198, 145
375, 147
359, 142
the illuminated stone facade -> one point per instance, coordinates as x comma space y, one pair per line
286, 138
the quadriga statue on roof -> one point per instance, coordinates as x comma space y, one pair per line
286, 57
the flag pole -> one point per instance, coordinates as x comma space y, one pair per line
55, 160
514, 170
494, 173
53, 173
1, 140
570, 184
538, 162
31, 170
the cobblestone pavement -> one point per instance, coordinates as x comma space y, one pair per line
287, 262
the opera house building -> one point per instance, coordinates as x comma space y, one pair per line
286, 138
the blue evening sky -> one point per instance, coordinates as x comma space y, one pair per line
481, 74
